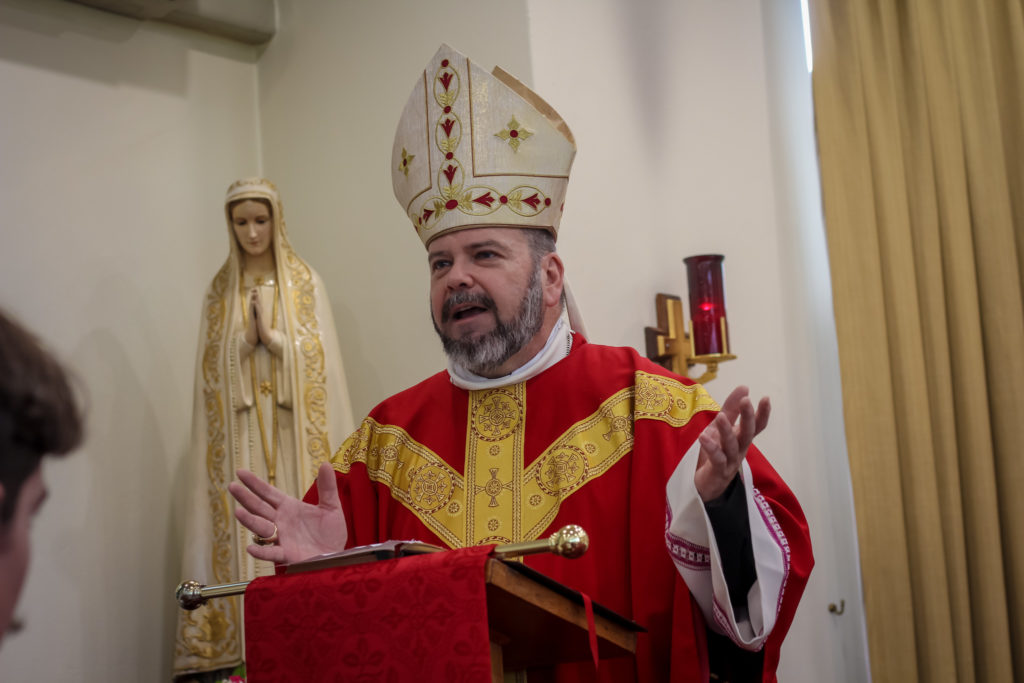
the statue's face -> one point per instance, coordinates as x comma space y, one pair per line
254, 226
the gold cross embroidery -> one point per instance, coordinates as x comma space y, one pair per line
493, 487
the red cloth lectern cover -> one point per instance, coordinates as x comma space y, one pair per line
420, 618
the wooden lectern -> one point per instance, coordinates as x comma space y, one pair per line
420, 616
537, 623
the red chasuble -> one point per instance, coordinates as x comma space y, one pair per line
592, 441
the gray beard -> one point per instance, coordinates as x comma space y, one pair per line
483, 355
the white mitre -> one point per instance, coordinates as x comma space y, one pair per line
476, 149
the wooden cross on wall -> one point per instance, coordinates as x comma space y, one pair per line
668, 344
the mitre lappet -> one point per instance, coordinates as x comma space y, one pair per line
476, 149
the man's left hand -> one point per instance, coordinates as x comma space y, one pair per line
724, 442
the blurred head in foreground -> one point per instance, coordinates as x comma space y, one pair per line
38, 416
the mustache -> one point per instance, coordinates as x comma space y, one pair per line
460, 298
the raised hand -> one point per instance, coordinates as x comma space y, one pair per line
724, 442
302, 530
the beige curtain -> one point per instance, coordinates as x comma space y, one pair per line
919, 107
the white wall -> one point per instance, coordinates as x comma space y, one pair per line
332, 86
814, 388
695, 135
117, 142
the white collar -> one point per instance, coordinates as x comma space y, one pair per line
556, 348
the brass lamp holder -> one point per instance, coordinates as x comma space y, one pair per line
670, 344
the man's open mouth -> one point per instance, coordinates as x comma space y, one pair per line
465, 305
464, 312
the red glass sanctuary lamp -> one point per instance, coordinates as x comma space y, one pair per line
709, 332
704, 339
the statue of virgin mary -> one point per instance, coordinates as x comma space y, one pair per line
270, 397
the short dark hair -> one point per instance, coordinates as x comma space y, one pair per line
38, 411
541, 242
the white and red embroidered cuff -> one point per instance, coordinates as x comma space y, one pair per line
691, 543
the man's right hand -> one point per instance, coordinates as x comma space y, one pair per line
303, 530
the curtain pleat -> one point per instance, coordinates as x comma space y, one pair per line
918, 112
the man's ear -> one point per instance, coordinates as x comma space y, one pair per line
552, 272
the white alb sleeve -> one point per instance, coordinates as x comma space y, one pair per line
691, 544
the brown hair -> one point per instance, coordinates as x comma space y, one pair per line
38, 411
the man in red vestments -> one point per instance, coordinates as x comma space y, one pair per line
531, 427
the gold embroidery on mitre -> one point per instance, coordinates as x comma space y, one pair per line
513, 134
452, 192
497, 420
406, 160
